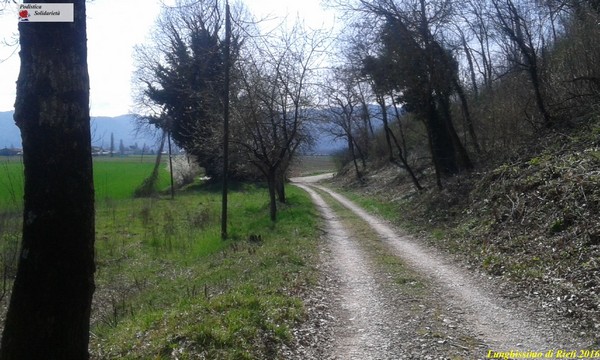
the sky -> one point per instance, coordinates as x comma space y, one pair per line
114, 27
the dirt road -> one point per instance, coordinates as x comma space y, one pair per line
393, 298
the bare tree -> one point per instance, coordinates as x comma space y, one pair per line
49, 311
274, 104
343, 116
513, 22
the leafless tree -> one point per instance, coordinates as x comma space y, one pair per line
517, 22
275, 103
343, 115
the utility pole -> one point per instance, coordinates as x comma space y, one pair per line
171, 165
226, 122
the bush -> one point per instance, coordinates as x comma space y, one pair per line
184, 170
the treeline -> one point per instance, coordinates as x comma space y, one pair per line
456, 83
184, 90
461, 83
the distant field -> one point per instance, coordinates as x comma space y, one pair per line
312, 165
117, 178
114, 178
11, 182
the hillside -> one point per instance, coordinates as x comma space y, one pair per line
531, 222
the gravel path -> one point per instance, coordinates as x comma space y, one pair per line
365, 325
368, 317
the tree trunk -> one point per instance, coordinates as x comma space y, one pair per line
463, 161
442, 150
539, 98
272, 196
400, 129
434, 158
280, 187
148, 186
386, 127
389, 136
353, 154
49, 311
469, 56
467, 114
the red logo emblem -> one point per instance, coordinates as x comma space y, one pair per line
23, 14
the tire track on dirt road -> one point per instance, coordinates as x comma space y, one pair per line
490, 319
360, 334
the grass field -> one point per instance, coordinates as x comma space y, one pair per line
114, 178
11, 182
117, 178
169, 287
307, 165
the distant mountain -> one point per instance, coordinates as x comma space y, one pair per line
325, 142
122, 127
10, 135
328, 144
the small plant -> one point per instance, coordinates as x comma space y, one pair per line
438, 234
535, 161
146, 215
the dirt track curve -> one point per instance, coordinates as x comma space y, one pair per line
459, 316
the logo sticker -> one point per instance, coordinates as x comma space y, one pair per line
47, 12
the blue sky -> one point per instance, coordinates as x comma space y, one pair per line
114, 27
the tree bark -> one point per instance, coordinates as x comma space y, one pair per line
272, 196
467, 114
389, 136
463, 161
49, 311
442, 150
353, 154
280, 187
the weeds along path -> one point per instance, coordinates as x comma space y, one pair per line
379, 320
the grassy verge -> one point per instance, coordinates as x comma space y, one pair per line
169, 287
11, 183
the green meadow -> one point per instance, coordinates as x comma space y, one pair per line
11, 182
114, 178
117, 178
167, 285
